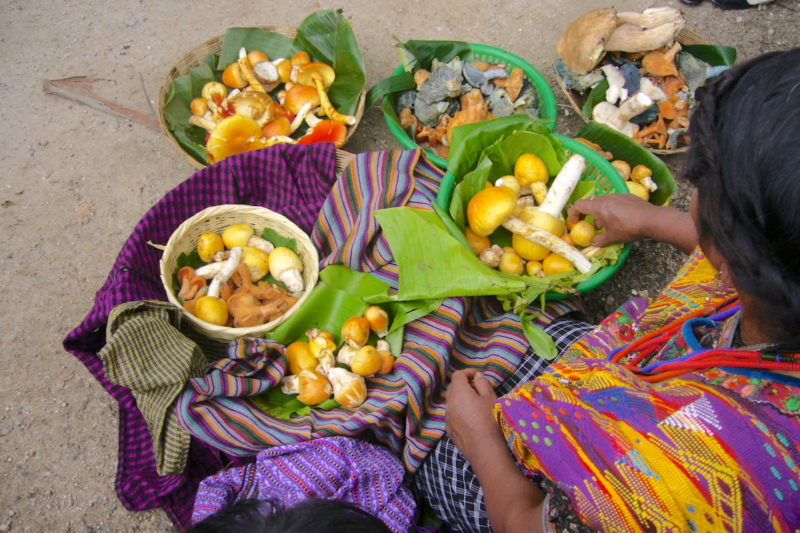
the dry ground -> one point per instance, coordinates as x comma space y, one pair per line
76, 181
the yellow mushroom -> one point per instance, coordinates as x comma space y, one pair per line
355, 331
543, 225
378, 320
326, 105
366, 362
312, 388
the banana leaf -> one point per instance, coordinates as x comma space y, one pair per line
435, 264
596, 95
327, 37
420, 54
287, 406
625, 148
714, 55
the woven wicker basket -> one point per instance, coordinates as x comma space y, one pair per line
217, 218
576, 100
194, 58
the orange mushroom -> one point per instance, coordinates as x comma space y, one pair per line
234, 135
326, 131
661, 62
323, 70
277, 127
299, 95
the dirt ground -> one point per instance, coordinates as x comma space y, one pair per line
77, 180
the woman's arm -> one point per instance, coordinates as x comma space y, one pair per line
513, 503
627, 218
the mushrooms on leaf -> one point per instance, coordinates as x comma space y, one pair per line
287, 267
323, 70
544, 224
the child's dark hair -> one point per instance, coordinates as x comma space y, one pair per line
309, 516
745, 162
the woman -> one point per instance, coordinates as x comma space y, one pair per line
681, 414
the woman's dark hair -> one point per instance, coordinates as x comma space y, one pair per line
745, 163
309, 516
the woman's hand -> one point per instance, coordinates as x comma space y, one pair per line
625, 217
468, 414
628, 218
512, 501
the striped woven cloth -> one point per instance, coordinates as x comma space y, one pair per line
292, 180
152, 352
334, 468
405, 409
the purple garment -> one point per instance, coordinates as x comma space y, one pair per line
333, 468
292, 180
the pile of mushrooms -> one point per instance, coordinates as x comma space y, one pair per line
650, 39
536, 230
313, 374
241, 115
228, 290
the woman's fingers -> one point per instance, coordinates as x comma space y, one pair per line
483, 386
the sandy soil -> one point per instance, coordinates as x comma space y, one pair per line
76, 181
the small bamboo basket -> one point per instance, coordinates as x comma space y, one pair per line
217, 218
577, 100
194, 58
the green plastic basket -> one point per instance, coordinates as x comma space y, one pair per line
607, 180
480, 52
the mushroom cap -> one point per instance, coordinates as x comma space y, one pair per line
583, 43
234, 135
323, 70
253, 104
326, 131
282, 259
490, 208
299, 95
314, 387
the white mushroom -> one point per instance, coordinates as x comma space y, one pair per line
619, 117
616, 84
262, 244
652, 90
225, 272
284, 265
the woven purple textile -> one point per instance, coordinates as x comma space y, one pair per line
291, 180
333, 468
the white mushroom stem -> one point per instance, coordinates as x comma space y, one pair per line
549, 241
652, 90
262, 244
619, 117
212, 269
636, 40
312, 119
346, 354
557, 196
651, 17
266, 71
204, 123
563, 185
228, 268
326, 361
301, 115
616, 84
290, 385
